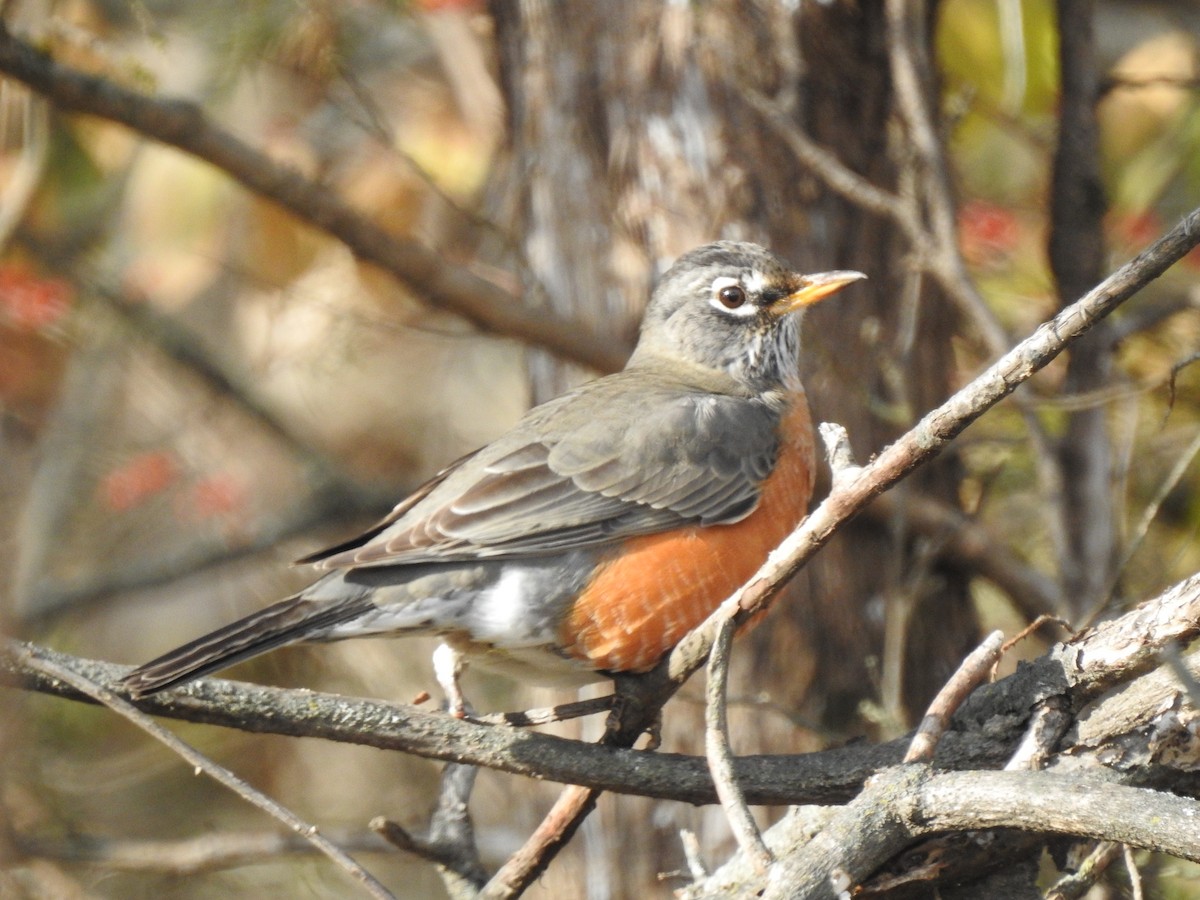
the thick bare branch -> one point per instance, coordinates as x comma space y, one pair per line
1110, 654
1065, 804
902, 804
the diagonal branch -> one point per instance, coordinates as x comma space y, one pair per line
935, 430
973, 671
202, 763
432, 279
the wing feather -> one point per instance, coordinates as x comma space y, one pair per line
576, 472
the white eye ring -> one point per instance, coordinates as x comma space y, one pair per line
730, 297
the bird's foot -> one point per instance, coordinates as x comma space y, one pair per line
448, 667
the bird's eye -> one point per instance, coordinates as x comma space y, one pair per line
731, 296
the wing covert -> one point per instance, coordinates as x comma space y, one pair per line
577, 473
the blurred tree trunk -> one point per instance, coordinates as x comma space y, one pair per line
631, 141
1077, 258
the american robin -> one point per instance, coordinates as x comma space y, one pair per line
609, 522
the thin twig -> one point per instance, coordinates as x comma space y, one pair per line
218, 773
720, 755
911, 67
450, 843
188, 856
556, 829
1032, 628
908, 57
1142, 528
971, 672
1135, 877
548, 715
966, 543
833, 172
1175, 370
692, 854
1078, 883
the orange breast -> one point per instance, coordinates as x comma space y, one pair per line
660, 586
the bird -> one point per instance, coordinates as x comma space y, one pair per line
607, 523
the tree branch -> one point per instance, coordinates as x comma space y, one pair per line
973, 671
1079, 883
450, 842
966, 544
125, 709
432, 279
1110, 654
905, 803
935, 430
191, 856
1076, 249
720, 755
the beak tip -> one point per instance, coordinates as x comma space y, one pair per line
815, 288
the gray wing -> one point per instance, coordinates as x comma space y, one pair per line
580, 471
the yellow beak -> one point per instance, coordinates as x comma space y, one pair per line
814, 288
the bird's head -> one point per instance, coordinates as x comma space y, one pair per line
733, 308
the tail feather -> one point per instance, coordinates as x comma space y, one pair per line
285, 622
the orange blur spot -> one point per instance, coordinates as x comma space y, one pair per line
642, 603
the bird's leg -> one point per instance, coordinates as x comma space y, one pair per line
448, 666
628, 719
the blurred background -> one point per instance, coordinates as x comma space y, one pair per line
197, 388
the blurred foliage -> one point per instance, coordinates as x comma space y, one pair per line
121, 459
1000, 72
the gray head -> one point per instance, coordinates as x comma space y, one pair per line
733, 308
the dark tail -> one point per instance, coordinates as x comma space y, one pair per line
282, 623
